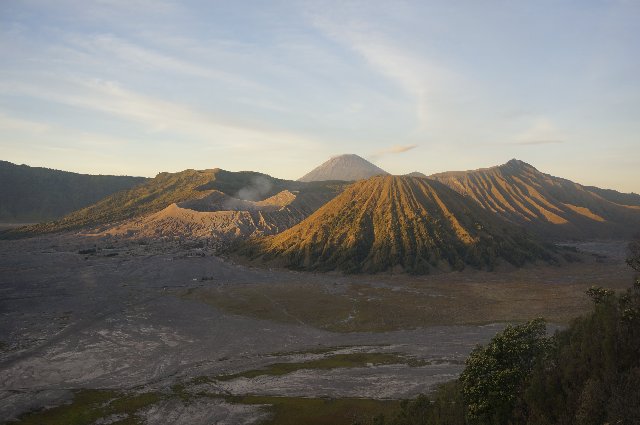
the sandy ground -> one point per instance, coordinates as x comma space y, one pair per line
119, 318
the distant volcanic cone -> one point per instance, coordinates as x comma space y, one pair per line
344, 167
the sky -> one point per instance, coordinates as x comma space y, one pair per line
138, 87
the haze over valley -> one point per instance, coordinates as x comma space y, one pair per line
336, 213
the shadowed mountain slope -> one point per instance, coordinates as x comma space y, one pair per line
551, 206
189, 192
344, 167
34, 194
632, 199
397, 223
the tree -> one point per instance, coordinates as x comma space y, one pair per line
633, 260
586, 374
634, 255
495, 375
600, 295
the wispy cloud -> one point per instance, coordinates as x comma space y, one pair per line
396, 149
392, 150
9, 123
538, 142
416, 75
118, 13
157, 116
540, 131
48, 144
116, 50
53, 133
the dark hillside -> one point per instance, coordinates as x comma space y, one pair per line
34, 194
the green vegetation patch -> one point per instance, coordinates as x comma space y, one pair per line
331, 362
588, 373
318, 350
90, 405
400, 302
297, 304
318, 411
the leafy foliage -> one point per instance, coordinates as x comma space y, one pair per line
495, 375
445, 406
592, 373
634, 255
587, 374
599, 295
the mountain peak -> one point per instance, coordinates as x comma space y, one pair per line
518, 164
347, 155
347, 167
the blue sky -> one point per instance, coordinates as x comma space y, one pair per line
142, 86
